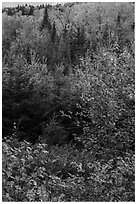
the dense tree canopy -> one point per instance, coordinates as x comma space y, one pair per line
68, 89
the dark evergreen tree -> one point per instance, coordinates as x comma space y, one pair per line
78, 44
28, 55
65, 31
9, 12
45, 22
81, 40
31, 10
118, 20
119, 34
53, 34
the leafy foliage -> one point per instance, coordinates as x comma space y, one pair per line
40, 173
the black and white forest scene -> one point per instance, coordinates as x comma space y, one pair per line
68, 102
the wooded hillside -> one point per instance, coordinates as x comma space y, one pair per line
68, 102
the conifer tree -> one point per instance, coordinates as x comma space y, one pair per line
53, 32
119, 34
45, 22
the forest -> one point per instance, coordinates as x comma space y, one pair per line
68, 102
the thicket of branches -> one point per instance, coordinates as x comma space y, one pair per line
68, 81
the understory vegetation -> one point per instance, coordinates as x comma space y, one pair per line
68, 103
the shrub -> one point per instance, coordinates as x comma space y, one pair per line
43, 173
54, 134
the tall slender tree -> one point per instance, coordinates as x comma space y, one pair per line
53, 34
46, 22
